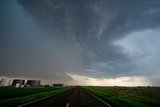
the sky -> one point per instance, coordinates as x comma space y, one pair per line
81, 42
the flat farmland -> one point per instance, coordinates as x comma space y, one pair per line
10, 96
81, 96
128, 96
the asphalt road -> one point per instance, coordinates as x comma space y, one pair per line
76, 97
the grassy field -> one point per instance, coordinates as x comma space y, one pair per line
128, 96
10, 96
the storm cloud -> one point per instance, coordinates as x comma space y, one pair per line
93, 38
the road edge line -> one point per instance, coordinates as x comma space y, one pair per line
98, 98
39, 99
36, 100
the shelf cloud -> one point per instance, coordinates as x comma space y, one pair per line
107, 39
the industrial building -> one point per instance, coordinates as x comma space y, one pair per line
58, 85
18, 83
5, 82
33, 83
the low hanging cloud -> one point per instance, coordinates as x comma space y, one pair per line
120, 81
142, 48
93, 38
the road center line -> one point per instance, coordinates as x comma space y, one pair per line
67, 105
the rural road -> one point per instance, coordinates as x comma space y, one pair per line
76, 97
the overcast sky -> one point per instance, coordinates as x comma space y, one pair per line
87, 42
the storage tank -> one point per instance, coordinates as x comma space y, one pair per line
8, 82
18, 83
5, 82
2, 82
33, 83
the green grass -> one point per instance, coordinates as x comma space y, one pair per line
16, 96
128, 96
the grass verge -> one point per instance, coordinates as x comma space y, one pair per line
128, 96
27, 98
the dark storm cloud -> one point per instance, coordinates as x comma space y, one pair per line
89, 28
26, 52
92, 24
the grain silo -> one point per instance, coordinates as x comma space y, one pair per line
18, 83
2, 82
33, 83
5, 82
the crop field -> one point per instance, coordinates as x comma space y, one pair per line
128, 96
10, 96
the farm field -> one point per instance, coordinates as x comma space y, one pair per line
128, 96
10, 96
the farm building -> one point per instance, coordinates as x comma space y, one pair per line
33, 83
58, 85
5, 82
18, 83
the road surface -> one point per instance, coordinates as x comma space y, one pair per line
76, 97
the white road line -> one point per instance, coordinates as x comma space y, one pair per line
67, 105
98, 98
40, 99
36, 100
